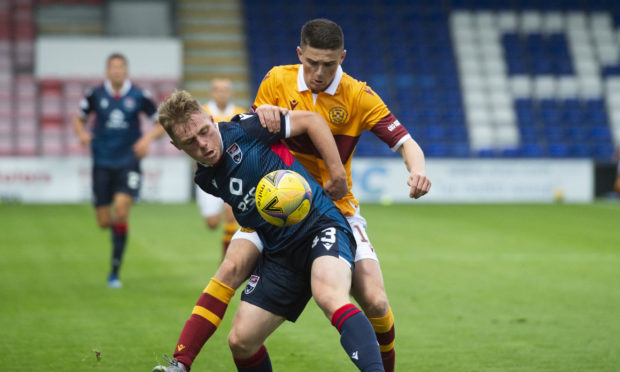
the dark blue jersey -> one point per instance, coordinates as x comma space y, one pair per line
117, 126
250, 152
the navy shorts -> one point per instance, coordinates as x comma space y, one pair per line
280, 282
109, 181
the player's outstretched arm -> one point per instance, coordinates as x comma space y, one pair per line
80, 130
141, 147
313, 124
416, 165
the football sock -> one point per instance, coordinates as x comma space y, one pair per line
119, 240
229, 230
203, 322
357, 338
384, 330
258, 362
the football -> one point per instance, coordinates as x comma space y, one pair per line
283, 197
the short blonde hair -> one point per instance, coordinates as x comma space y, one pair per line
177, 110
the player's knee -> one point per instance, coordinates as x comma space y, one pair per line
120, 215
212, 222
329, 303
103, 224
239, 346
376, 305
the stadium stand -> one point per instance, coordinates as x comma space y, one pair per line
469, 78
36, 114
472, 78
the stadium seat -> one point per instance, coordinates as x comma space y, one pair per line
440, 73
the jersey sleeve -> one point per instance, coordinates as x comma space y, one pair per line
148, 104
87, 103
251, 125
380, 121
266, 94
201, 178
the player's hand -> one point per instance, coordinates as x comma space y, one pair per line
419, 184
85, 138
141, 147
269, 117
336, 188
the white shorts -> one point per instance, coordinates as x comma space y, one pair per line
358, 225
364, 247
209, 205
251, 236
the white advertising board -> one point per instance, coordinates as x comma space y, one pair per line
478, 181
68, 179
85, 57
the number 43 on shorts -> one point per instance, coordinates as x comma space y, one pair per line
327, 237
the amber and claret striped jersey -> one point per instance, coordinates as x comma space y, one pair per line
223, 115
349, 106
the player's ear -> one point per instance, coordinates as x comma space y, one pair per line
344, 53
299, 53
175, 145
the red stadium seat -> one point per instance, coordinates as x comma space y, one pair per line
26, 145
6, 146
52, 141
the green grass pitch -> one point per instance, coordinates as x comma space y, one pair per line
472, 287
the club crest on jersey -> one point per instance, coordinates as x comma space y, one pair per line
249, 288
104, 103
235, 152
129, 103
338, 115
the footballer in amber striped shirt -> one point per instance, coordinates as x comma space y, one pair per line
350, 107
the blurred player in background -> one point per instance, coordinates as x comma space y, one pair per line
222, 109
313, 258
350, 107
117, 145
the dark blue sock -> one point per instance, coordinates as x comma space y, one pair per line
258, 362
358, 338
119, 240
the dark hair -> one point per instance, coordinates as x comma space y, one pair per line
116, 56
322, 33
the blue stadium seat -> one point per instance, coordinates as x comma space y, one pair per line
486, 153
559, 150
581, 150
408, 59
459, 149
437, 149
532, 150
511, 152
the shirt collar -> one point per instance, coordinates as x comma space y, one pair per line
124, 90
331, 89
215, 111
